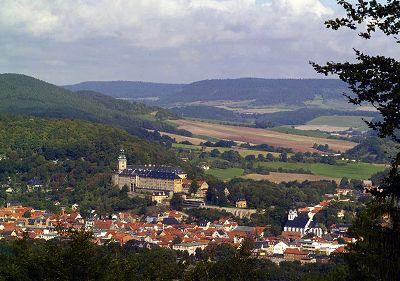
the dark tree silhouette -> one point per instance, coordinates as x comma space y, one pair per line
374, 80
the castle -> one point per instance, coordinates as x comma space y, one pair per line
148, 178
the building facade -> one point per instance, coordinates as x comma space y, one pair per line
148, 178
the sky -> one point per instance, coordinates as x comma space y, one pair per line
173, 41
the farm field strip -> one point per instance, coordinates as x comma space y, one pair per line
179, 138
336, 123
286, 177
260, 136
360, 171
242, 151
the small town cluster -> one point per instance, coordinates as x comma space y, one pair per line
302, 239
170, 230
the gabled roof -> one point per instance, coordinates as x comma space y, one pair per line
298, 222
170, 221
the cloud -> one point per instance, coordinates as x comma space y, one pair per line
162, 40
154, 23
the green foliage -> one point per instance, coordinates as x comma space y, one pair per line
374, 150
24, 95
273, 199
77, 258
73, 159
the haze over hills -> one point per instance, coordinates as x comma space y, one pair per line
24, 95
264, 91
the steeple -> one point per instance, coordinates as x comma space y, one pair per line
292, 215
121, 161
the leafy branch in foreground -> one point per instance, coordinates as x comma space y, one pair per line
374, 80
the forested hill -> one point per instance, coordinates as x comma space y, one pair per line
73, 159
127, 89
20, 94
264, 91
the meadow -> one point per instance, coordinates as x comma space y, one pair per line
359, 171
226, 174
336, 123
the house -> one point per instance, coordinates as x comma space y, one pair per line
159, 197
279, 248
34, 183
294, 254
190, 247
241, 203
299, 225
201, 191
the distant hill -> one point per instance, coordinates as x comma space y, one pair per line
127, 89
264, 91
24, 95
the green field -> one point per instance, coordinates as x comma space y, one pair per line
293, 131
226, 174
354, 122
359, 171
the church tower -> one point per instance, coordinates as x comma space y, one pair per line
121, 161
292, 215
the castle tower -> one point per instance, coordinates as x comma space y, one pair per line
121, 161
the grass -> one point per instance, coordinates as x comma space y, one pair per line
360, 171
226, 174
354, 122
293, 131
242, 151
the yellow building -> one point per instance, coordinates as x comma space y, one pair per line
148, 178
241, 204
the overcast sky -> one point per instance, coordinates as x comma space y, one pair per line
172, 40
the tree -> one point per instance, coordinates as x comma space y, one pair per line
193, 187
250, 157
375, 80
176, 202
344, 183
283, 157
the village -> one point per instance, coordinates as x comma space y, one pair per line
301, 240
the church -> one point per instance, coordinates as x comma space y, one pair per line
298, 226
148, 178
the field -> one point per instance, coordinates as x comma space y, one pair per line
179, 138
226, 174
242, 151
359, 171
286, 177
294, 131
260, 136
336, 123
